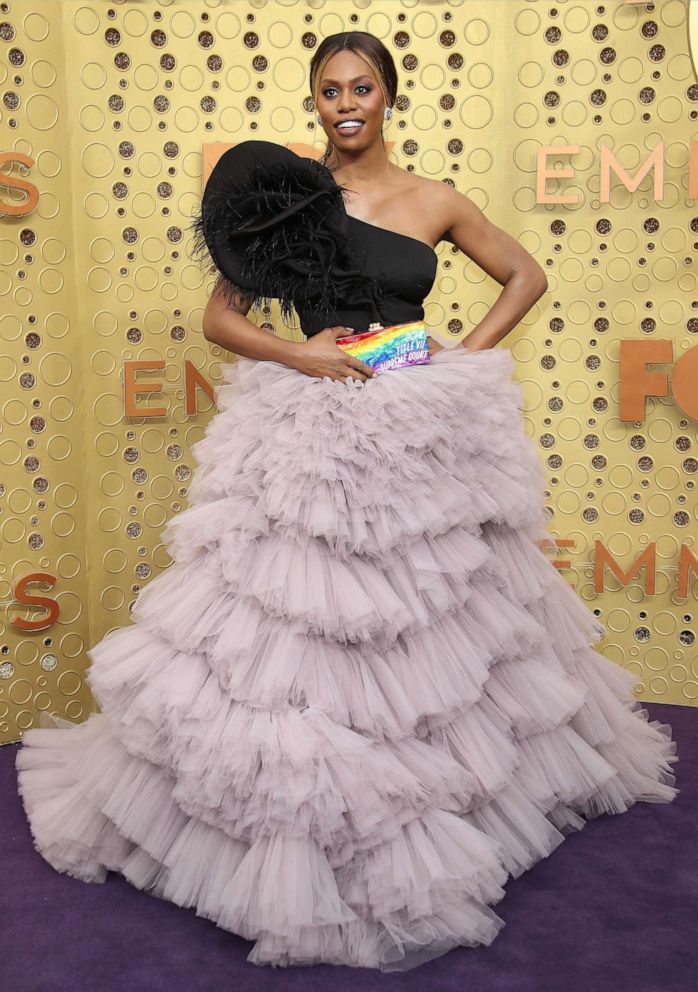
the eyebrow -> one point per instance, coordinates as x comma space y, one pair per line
364, 75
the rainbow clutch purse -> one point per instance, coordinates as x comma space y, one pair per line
391, 347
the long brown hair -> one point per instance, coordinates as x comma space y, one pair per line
369, 48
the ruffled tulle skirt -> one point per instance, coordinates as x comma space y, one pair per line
361, 697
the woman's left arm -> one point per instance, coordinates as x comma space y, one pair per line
501, 257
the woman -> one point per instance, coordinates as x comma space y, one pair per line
361, 698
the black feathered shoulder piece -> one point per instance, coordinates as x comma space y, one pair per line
274, 225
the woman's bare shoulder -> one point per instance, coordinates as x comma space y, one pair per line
433, 198
437, 194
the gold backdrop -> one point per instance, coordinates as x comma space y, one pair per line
106, 111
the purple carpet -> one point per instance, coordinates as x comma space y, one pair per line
613, 909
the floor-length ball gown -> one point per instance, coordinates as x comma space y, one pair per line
361, 698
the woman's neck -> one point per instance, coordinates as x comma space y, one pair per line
367, 169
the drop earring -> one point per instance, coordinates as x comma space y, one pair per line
387, 113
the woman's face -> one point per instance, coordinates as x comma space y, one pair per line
349, 91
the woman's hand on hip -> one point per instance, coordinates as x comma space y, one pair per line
319, 356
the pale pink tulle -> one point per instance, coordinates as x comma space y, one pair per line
361, 698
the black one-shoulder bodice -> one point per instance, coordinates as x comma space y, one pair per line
405, 269
275, 226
